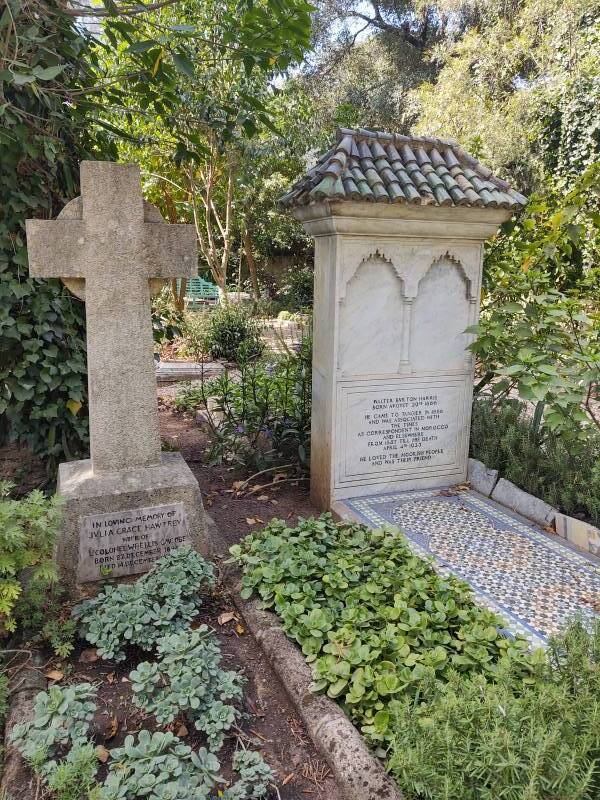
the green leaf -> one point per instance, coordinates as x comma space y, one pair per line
49, 73
20, 78
183, 64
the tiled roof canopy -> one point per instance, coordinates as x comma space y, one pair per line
389, 168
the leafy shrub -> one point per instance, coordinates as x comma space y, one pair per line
538, 332
167, 320
297, 291
230, 331
61, 721
162, 601
28, 530
262, 417
506, 439
375, 620
479, 740
187, 678
193, 332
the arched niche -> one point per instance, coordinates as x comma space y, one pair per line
371, 315
441, 312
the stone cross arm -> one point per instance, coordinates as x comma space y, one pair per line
69, 248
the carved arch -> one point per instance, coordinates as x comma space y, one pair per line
374, 292
446, 255
442, 348
362, 259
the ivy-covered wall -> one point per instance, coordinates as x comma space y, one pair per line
42, 139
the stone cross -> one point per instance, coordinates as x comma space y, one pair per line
116, 243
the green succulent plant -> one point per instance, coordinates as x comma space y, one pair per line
374, 619
255, 777
164, 600
61, 718
159, 766
188, 678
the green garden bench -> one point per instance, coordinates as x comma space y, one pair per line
199, 292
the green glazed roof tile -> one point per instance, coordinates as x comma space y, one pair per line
385, 167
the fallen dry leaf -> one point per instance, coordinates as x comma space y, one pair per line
125, 680
110, 677
240, 629
237, 485
102, 754
89, 655
263, 497
181, 731
225, 617
54, 675
112, 728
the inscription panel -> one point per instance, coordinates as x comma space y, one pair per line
394, 429
128, 542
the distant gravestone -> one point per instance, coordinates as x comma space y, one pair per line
112, 248
399, 224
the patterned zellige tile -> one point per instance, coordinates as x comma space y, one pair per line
534, 581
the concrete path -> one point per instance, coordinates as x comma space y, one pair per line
534, 580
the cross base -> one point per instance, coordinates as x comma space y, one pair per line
119, 523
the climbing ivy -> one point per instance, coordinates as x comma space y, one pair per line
63, 96
42, 350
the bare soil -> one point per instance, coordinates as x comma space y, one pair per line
231, 510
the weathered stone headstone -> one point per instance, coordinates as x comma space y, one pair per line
111, 248
399, 225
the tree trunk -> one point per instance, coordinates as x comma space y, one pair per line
249, 252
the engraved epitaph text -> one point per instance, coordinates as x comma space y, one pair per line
388, 430
130, 541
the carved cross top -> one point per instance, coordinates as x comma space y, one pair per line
117, 243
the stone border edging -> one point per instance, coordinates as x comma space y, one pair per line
357, 772
580, 534
16, 777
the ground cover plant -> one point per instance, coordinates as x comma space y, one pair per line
505, 437
165, 600
187, 677
454, 707
181, 680
374, 620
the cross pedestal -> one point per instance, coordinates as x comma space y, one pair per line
129, 503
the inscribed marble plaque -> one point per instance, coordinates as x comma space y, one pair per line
391, 430
130, 541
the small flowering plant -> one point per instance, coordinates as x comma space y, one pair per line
261, 417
